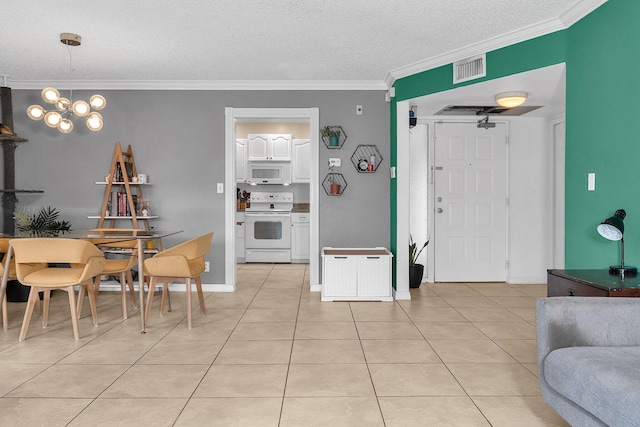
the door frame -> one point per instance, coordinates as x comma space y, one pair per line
231, 115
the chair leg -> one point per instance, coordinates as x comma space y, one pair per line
45, 308
152, 289
72, 308
38, 306
166, 298
31, 302
93, 287
132, 291
188, 292
80, 300
123, 295
5, 316
203, 310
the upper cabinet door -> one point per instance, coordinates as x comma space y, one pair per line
241, 160
257, 148
301, 161
269, 147
280, 147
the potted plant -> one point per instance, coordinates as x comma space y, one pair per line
333, 133
44, 223
415, 270
334, 186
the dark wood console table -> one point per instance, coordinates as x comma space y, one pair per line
591, 283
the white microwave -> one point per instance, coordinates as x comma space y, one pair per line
269, 173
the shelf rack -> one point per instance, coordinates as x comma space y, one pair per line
334, 178
341, 139
362, 156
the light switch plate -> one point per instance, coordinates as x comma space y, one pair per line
220, 187
591, 182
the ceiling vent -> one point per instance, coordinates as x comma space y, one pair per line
470, 68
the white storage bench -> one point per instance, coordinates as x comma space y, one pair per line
356, 274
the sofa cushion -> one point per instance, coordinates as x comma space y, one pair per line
603, 380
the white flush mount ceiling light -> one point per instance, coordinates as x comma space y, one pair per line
60, 118
511, 99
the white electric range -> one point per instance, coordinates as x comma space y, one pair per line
268, 227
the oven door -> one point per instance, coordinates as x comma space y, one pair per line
268, 230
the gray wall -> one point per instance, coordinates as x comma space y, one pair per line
178, 140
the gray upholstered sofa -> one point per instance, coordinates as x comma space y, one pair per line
589, 359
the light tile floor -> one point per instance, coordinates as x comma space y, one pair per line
273, 354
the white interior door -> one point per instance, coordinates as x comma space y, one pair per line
470, 203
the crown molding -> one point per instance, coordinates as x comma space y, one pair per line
564, 21
200, 84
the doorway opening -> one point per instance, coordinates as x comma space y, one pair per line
241, 121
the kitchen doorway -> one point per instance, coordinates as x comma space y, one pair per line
233, 116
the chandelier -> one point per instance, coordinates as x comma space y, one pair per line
60, 118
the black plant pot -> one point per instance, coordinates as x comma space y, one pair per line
415, 275
17, 292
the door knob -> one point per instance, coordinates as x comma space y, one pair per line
439, 210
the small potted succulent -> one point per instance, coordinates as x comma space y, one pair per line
415, 270
333, 133
334, 185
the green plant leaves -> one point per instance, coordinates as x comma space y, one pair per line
43, 223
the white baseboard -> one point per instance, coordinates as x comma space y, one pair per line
535, 280
405, 295
315, 288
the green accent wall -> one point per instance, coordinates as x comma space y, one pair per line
526, 56
393, 188
602, 70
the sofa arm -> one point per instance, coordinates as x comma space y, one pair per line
586, 322
582, 322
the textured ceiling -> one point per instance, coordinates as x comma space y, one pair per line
254, 40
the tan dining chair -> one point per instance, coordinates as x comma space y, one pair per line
86, 262
183, 262
4, 249
117, 266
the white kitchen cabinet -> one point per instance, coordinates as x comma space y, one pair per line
276, 147
240, 233
301, 161
241, 160
356, 274
300, 237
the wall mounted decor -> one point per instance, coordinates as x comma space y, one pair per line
333, 136
366, 158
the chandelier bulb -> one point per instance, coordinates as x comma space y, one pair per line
52, 118
94, 121
81, 108
50, 95
35, 112
98, 102
65, 126
63, 104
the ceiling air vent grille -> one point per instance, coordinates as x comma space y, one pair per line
470, 68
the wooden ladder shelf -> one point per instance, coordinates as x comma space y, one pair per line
123, 168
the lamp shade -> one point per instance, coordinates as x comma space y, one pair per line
612, 228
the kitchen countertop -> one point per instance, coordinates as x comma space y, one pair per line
297, 208
300, 208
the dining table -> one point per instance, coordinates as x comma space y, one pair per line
105, 235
